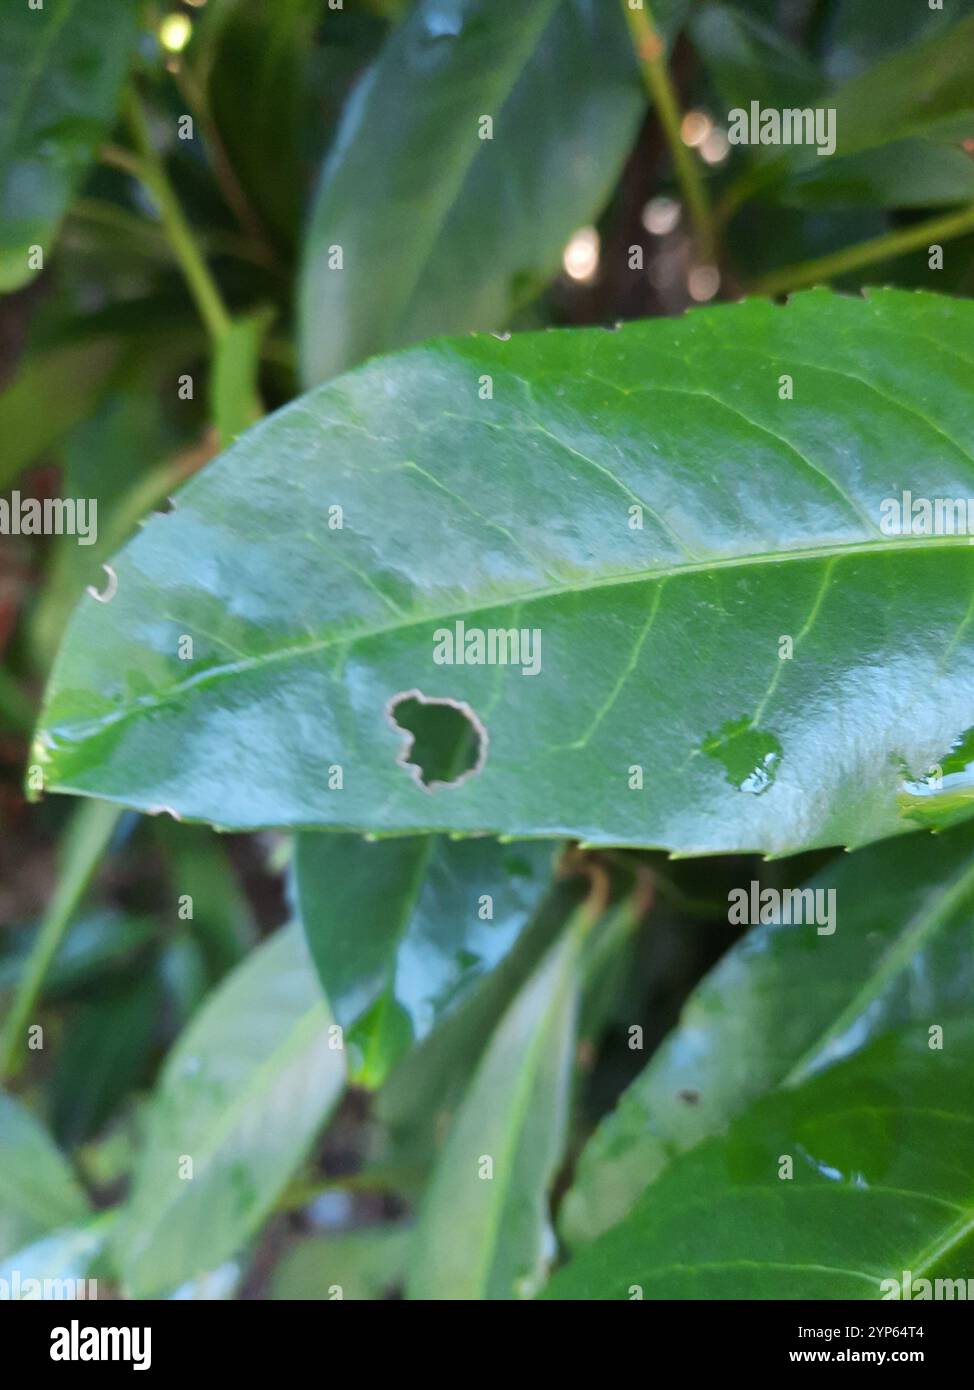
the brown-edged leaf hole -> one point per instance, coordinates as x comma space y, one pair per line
445, 742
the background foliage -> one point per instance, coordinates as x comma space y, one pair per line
319, 1015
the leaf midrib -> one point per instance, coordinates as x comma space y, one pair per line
856, 549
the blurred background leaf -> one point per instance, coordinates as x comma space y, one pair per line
241, 1098
459, 241
62, 67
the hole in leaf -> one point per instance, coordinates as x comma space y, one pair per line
446, 743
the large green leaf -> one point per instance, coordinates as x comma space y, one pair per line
38, 1192
787, 1002
440, 229
242, 1096
881, 1147
483, 1232
761, 519
61, 72
402, 930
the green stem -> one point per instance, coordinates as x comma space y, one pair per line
651, 54
879, 248
181, 238
88, 837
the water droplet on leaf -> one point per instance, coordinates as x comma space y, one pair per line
750, 756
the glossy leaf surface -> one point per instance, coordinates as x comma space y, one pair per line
401, 930
881, 1149
660, 649
786, 1003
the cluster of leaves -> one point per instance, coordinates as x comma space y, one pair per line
390, 1033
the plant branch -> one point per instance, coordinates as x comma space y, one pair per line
651, 54
153, 174
90, 832
881, 248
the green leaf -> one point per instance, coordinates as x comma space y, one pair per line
881, 1147
660, 645
104, 1055
222, 919
415, 1107
440, 229
215, 1285
765, 237
85, 842
16, 709
184, 979
72, 363
97, 944
441, 914
899, 129
61, 73
276, 90
38, 1192
97, 464
68, 1253
483, 1232
364, 1264
54, 391
242, 1096
750, 60
860, 30
785, 1003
